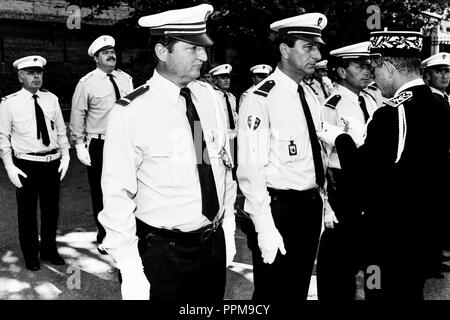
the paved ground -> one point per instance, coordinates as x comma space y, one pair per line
89, 275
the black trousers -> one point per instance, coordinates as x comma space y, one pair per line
298, 218
94, 178
43, 184
338, 257
185, 270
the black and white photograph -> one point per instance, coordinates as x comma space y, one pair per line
229, 157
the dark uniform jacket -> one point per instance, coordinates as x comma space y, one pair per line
400, 200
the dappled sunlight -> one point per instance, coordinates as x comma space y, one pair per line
47, 291
9, 257
246, 270
11, 286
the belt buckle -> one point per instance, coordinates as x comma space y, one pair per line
48, 158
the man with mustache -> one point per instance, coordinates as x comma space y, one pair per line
281, 169
336, 264
168, 190
92, 101
35, 152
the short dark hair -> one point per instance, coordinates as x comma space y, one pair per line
333, 64
166, 41
285, 38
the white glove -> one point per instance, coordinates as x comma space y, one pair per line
269, 243
329, 216
328, 84
13, 175
64, 166
135, 285
356, 129
83, 154
329, 133
229, 227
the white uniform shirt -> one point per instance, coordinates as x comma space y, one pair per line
149, 168
92, 101
348, 106
268, 126
232, 100
18, 129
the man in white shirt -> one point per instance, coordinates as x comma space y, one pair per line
35, 152
92, 102
168, 191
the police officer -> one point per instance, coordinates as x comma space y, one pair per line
92, 102
166, 172
336, 261
397, 171
259, 73
281, 169
436, 74
35, 152
222, 81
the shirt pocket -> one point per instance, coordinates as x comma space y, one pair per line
99, 98
289, 145
24, 126
159, 159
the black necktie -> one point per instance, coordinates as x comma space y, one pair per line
40, 122
116, 88
323, 89
362, 104
230, 112
315, 145
210, 202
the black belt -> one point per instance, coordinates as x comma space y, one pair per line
145, 231
292, 195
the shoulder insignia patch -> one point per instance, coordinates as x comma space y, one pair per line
253, 122
124, 101
265, 88
399, 99
333, 101
369, 94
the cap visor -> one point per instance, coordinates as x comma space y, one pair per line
198, 39
313, 39
33, 68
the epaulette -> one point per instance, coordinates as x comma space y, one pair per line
311, 87
398, 100
265, 88
333, 101
118, 70
8, 96
87, 76
369, 94
133, 95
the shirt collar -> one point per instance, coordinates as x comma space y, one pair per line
412, 83
167, 88
28, 94
348, 94
285, 80
103, 74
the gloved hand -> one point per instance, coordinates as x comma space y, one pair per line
329, 216
328, 84
329, 133
229, 228
64, 165
13, 175
135, 285
269, 243
83, 154
356, 129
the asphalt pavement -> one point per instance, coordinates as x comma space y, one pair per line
88, 275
